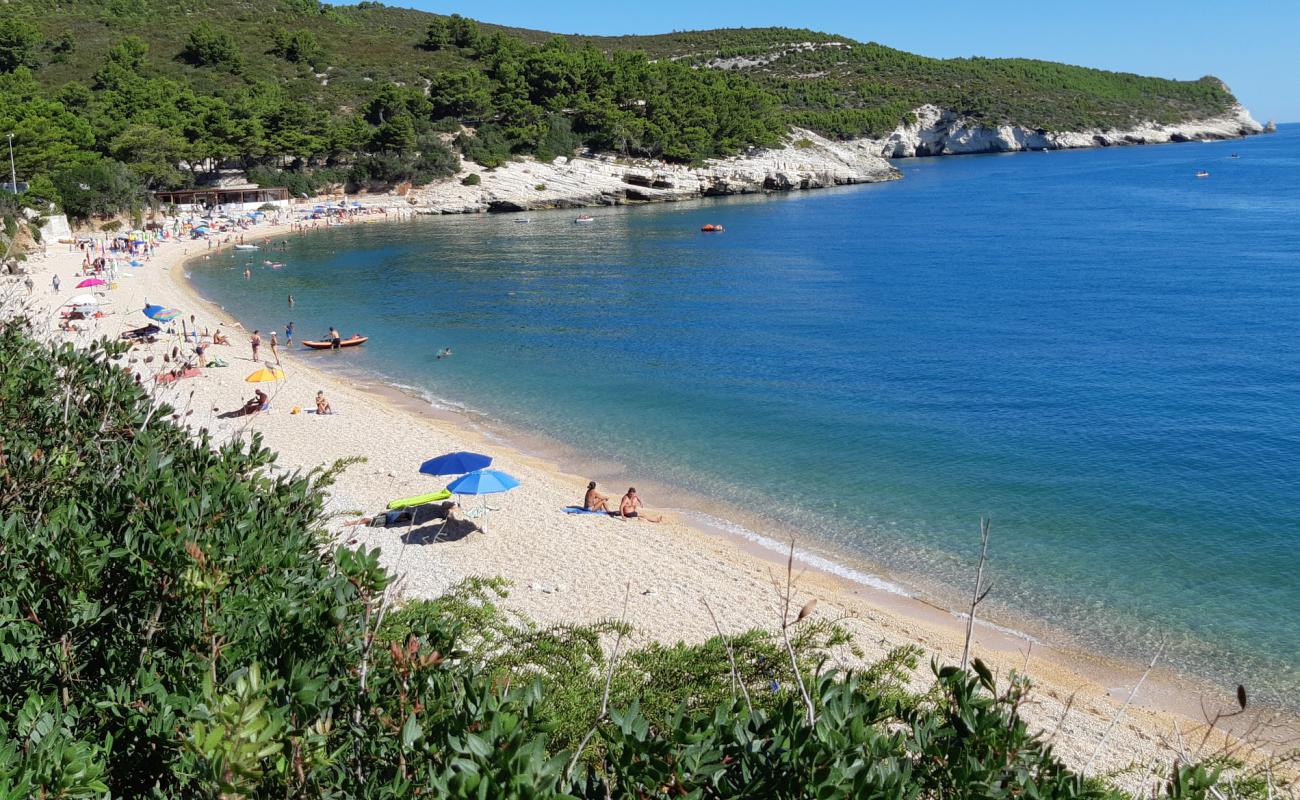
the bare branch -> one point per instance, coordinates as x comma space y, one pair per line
731, 658
1159, 652
980, 592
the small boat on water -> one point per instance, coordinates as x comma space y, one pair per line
1234, 155
247, 247
712, 229
585, 218
1202, 173
352, 342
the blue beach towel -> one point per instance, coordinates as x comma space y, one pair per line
581, 510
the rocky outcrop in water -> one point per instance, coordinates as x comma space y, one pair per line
938, 132
808, 161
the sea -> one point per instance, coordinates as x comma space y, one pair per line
1096, 349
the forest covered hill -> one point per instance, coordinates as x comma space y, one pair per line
130, 94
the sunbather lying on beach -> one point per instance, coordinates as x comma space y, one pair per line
627, 508
594, 500
258, 403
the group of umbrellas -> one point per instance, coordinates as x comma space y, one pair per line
475, 477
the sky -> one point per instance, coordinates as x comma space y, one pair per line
1250, 44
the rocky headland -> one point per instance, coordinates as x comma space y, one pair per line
805, 161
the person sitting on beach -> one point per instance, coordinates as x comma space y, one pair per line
627, 507
258, 403
219, 338
594, 500
322, 405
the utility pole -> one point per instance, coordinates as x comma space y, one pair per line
13, 174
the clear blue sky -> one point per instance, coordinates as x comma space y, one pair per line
1253, 45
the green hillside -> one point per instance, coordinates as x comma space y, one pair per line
114, 92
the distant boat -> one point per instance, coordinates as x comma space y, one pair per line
585, 218
247, 247
352, 342
1201, 173
712, 229
522, 220
1234, 155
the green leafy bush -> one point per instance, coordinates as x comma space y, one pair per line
209, 46
471, 179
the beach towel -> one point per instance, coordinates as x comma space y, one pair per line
581, 510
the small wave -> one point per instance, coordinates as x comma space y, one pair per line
820, 563
424, 394
999, 628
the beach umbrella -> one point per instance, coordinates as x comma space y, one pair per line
483, 482
457, 463
83, 300
161, 314
265, 375
91, 282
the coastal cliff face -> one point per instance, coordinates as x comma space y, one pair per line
938, 132
807, 161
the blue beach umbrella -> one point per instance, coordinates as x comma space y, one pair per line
481, 482
457, 463
161, 314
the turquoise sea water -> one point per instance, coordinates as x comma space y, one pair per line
1096, 348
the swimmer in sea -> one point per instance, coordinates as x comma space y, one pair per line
445, 353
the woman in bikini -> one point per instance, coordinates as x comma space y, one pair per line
594, 500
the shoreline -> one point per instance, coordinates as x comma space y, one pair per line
879, 620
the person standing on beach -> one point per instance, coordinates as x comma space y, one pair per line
274, 349
288, 335
30, 284
256, 342
55, 283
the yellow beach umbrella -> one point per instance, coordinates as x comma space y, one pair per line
265, 375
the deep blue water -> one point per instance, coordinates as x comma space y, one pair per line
1096, 348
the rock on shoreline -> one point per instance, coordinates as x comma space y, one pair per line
805, 161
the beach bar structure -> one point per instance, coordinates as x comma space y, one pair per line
248, 198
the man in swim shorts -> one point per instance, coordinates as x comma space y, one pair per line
334, 338
627, 507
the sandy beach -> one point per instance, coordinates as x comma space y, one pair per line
578, 567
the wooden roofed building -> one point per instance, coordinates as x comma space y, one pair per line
248, 198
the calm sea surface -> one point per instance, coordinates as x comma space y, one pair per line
1096, 348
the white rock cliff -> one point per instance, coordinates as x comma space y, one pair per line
806, 161
937, 132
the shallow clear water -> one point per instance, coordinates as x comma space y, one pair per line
1096, 348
